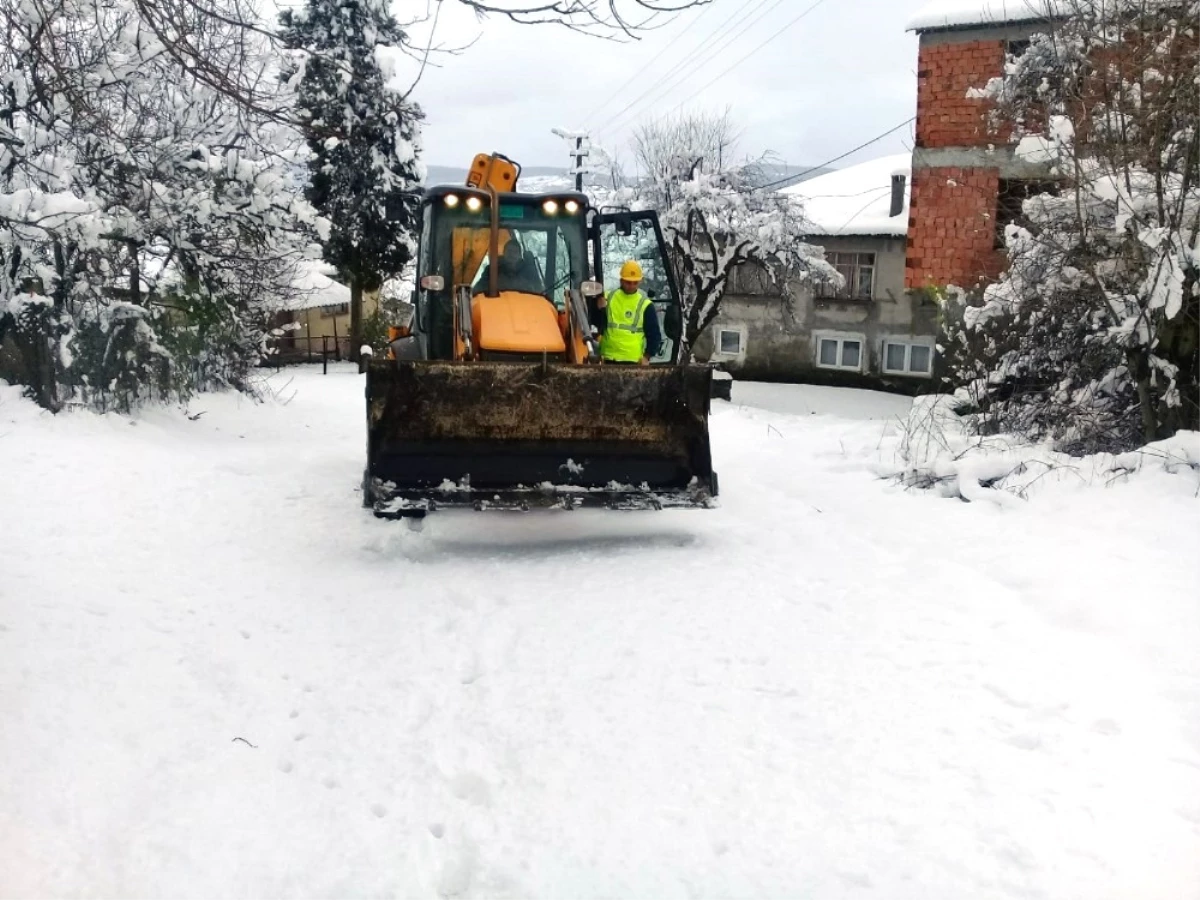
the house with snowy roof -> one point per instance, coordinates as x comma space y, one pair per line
866, 331
896, 226
314, 319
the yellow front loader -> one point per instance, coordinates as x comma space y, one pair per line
496, 397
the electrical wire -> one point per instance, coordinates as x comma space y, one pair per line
654, 59
725, 72
841, 156
689, 65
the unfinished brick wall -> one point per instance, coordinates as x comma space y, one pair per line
951, 227
946, 117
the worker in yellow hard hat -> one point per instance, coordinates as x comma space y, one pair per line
628, 323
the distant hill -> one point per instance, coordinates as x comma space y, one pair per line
550, 178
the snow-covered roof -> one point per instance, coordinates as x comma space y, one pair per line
314, 287
856, 200
967, 13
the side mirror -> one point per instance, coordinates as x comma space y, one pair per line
673, 322
591, 289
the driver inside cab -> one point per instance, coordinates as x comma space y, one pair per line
515, 272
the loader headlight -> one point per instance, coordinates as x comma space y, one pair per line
474, 204
550, 207
452, 200
571, 207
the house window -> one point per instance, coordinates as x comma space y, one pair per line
1017, 48
858, 270
1014, 192
754, 280
840, 351
335, 309
729, 342
905, 358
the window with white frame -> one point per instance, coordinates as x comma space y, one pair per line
907, 358
857, 271
840, 351
729, 342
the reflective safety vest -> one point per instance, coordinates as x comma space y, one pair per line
624, 338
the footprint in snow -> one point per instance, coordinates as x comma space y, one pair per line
379, 810
437, 829
1024, 741
471, 788
285, 766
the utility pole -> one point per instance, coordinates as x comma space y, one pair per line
580, 148
579, 163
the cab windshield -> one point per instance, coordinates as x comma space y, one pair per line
538, 253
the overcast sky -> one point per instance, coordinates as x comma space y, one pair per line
819, 85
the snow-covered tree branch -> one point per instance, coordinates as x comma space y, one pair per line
604, 18
715, 214
1094, 326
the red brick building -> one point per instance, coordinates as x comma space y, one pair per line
967, 182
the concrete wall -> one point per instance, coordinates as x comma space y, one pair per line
779, 337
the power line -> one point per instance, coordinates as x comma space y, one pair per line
700, 61
878, 137
688, 59
751, 53
654, 59
689, 64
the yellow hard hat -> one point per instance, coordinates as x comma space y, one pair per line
631, 271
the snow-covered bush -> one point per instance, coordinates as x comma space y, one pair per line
1091, 337
143, 158
938, 447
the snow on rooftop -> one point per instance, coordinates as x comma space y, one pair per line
314, 287
857, 200
965, 13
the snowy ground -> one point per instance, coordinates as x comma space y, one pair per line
830, 687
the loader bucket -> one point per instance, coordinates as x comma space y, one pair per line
510, 435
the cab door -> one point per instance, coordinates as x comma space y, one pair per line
624, 235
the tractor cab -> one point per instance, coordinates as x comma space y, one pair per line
503, 279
